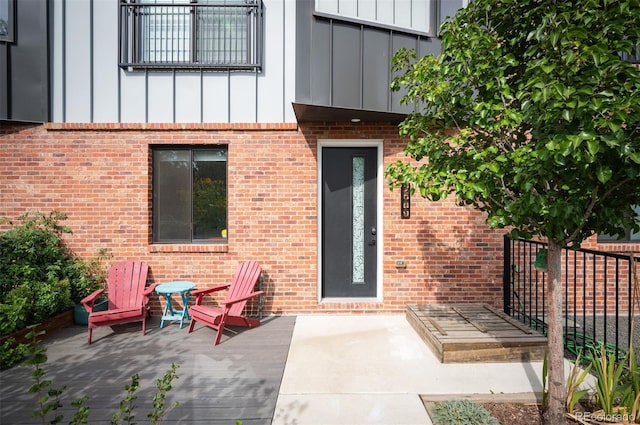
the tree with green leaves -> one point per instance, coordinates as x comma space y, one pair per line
530, 114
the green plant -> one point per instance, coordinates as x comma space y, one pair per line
574, 381
89, 276
127, 407
163, 386
50, 298
49, 398
458, 412
11, 353
609, 381
39, 274
17, 310
32, 250
630, 389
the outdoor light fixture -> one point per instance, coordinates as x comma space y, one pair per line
355, 120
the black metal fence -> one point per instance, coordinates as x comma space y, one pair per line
182, 34
598, 302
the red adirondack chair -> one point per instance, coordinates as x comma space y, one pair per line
230, 311
127, 295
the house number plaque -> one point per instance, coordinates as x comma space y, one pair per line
405, 201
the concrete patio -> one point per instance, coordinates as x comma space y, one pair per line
291, 370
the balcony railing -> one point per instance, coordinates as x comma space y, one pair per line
190, 34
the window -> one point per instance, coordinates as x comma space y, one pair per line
6, 20
405, 15
628, 236
191, 34
189, 194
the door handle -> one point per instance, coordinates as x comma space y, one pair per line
373, 231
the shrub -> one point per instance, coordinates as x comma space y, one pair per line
39, 275
461, 412
11, 353
37, 265
17, 309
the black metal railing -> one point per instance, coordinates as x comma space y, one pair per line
598, 304
190, 34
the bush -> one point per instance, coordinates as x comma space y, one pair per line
39, 274
33, 253
461, 412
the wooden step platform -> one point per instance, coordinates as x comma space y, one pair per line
459, 333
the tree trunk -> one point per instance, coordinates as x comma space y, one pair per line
557, 394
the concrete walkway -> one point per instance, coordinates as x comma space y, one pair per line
373, 369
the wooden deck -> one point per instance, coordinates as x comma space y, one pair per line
459, 333
236, 380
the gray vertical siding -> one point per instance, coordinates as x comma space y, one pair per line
346, 63
375, 70
78, 61
319, 90
24, 65
88, 85
105, 74
449, 7
309, 57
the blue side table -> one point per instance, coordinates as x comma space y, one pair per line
167, 289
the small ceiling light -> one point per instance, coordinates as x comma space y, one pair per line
355, 120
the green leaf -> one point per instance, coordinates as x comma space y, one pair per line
615, 126
604, 174
635, 157
593, 146
548, 68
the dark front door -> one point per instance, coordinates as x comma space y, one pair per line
349, 233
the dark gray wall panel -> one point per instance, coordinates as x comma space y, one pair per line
346, 69
429, 46
448, 8
375, 70
26, 65
399, 41
304, 18
347, 64
320, 72
4, 79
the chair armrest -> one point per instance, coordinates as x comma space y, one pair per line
200, 293
246, 297
204, 291
88, 301
146, 294
149, 289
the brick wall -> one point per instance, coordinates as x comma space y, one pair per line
100, 175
